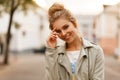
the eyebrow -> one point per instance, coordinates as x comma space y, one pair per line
62, 27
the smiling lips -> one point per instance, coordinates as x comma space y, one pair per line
67, 36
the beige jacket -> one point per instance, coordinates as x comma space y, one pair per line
90, 63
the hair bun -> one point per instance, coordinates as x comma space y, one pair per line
55, 7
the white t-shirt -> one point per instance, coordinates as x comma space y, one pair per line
73, 57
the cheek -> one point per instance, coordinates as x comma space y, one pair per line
72, 32
60, 36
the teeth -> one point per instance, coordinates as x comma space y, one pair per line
67, 36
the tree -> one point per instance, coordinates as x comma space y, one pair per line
10, 6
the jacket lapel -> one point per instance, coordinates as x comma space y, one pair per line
83, 53
81, 59
63, 59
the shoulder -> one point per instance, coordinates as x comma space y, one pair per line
55, 51
97, 51
96, 48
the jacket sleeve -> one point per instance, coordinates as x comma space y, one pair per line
49, 57
98, 73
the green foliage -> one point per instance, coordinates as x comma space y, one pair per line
24, 5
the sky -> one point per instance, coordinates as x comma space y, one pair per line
85, 7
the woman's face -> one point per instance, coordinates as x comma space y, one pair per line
65, 30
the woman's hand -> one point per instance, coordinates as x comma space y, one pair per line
52, 39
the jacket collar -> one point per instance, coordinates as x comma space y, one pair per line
86, 44
65, 62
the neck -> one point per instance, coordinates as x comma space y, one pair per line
75, 45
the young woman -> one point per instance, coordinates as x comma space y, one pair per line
77, 59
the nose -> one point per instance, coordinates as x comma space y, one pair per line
63, 32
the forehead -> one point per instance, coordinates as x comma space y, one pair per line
60, 22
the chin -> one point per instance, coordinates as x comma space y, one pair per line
69, 41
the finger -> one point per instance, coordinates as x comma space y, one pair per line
53, 36
53, 29
53, 33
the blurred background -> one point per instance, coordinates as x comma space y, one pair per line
24, 28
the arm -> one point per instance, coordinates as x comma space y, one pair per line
50, 54
98, 73
49, 63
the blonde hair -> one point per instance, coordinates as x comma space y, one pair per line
57, 11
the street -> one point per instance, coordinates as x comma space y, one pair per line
32, 67
112, 68
24, 67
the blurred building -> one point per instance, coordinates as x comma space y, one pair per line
107, 29
32, 30
103, 29
86, 26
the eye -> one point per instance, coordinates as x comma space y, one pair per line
65, 27
58, 31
